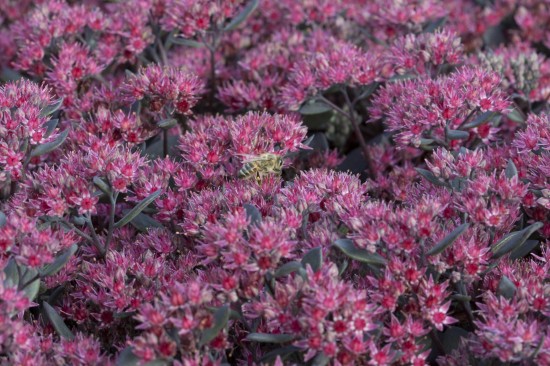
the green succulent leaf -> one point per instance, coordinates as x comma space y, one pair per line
457, 135
102, 185
314, 107
314, 258
269, 338
187, 42
431, 177
242, 16
347, 247
50, 146
144, 222
511, 170
51, 109
524, 249
506, 288
59, 261
514, 240
287, 269
167, 123
137, 209
480, 119
253, 214
56, 321
448, 240
221, 316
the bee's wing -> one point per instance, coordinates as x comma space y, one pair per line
249, 158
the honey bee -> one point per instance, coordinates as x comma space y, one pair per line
259, 166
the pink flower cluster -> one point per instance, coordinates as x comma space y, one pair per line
24, 120
216, 147
163, 88
425, 111
344, 64
274, 182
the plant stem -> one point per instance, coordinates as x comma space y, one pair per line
34, 278
162, 51
466, 304
437, 341
18, 271
351, 117
212, 48
112, 198
77, 230
468, 117
165, 142
95, 239
213, 72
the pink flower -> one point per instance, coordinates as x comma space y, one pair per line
437, 106
163, 88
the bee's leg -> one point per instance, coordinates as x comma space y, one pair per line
259, 177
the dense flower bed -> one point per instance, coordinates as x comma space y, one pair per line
275, 182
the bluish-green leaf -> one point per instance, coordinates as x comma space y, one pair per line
102, 185
320, 360
50, 126
155, 149
319, 142
221, 316
269, 338
479, 120
12, 276
282, 352
124, 314
187, 42
59, 261
56, 321
516, 116
242, 16
448, 240
78, 221
137, 209
511, 170
253, 214
31, 288
451, 338
308, 141
143, 222
287, 269
434, 25
524, 249
506, 288
494, 35
314, 258
50, 146
167, 123
457, 135
9, 74
127, 358
314, 107
514, 240
426, 142
367, 91
431, 177
354, 163
159, 362
52, 108
461, 298
348, 248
